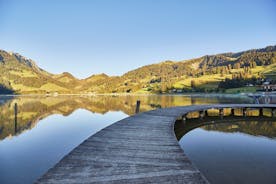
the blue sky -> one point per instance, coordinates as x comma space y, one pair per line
114, 36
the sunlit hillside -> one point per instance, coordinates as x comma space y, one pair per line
205, 74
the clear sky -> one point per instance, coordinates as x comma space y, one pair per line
115, 36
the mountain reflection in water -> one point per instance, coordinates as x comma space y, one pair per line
48, 128
231, 150
256, 126
32, 109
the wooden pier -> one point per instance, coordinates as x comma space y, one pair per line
139, 149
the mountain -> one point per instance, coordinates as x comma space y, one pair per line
94, 83
68, 79
200, 74
207, 73
22, 75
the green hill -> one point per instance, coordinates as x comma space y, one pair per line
200, 74
208, 73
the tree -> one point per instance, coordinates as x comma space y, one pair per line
5, 90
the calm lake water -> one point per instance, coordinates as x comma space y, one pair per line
48, 128
231, 150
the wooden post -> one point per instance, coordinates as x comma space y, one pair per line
15, 117
221, 113
261, 112
233, 112
206, 113
137, 110
244, 112
184, 119
201, 114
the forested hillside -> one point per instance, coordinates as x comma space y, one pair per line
205, 74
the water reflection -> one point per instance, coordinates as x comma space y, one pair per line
28, 155
231, 150
47, 128
256, 126
263, 98
33, 109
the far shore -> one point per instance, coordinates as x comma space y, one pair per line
134, 94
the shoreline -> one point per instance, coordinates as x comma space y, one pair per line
131, 94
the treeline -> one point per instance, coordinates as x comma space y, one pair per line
5, 90
258, 57
237, 82
159, 78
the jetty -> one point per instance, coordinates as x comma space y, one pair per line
141, 148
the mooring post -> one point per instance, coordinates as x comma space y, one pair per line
201, 114
232, 112
244, 112
184, 118
137, 110
206, 113
261, 112
221, 113
15, 117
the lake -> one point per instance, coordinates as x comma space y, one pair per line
47, 128
231, 150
